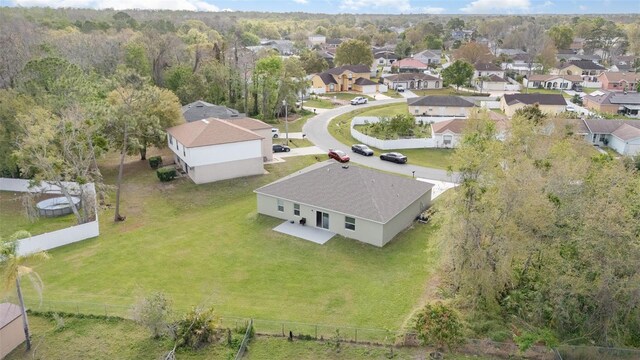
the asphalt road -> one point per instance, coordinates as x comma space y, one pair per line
316, 130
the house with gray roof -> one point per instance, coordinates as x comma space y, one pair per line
353, 201
199, 110
548, 103
623, 136
440, 105
614, 102
429, 56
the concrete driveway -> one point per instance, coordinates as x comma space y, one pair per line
309, 150
407, 94
316, 131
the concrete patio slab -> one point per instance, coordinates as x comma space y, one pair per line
439, 187
306, 232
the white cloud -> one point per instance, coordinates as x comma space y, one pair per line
494, 6
367, 5
547, 4
429, 10
301, 1
193, 5
582, 7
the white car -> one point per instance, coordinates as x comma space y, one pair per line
400, 88
359, 100
275, 133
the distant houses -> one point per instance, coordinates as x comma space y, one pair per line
549, 103
440, 105
344, 78
412, 81
614, 102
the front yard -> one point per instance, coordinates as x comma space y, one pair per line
206, 245
340, 129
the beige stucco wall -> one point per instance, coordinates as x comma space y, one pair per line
226, 170
367, 231
267, 143
439, 111
11, 336
406, 217
510, 110
608, 108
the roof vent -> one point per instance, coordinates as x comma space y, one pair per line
205, 121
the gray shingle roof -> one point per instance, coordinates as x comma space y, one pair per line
486, 67
410, 76
530, 99
327, 78
606, 126
203, 110
583, 64
440, 100
364, 81
355, 191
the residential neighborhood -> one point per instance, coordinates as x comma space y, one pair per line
319, 180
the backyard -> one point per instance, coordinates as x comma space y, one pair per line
13, 217
206, 245
340, 128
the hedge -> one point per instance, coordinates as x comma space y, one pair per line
166, 173
155, 162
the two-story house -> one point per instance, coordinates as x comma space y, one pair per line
210, 150
619, 81
344, 78
585, 68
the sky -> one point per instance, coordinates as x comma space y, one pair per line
359, 6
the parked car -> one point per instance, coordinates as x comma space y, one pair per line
275, 133
394, 157
362, 149
339, 155
577, 87
358, 100
400, 88
280, 148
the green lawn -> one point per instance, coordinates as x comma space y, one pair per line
293, 143
548, 91
205, 244
296, 123
339, 128
13, 217
445, 91
348, 96
318, 103
105, 339
392, 93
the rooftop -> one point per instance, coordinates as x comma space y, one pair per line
211, 132
440, 100
8, 313
352, 190
410, 63
480, 66
530, 99
410, 76
351, 68
199, 110
583, 64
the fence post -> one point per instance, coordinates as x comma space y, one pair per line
282, 329
105, 310
316, 332
356, 335
77, 308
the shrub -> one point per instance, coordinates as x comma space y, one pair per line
166, 173
153, 312
155, 162
198, 328
439, 325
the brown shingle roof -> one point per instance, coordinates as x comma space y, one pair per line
211, 132
612, 76
486, 67
8, 313
410, 63
410, 76
455, 126
250, 124
530, 99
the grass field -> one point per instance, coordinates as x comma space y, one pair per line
392, 93
318, 103
548, 91
205, 244
294, 125
13, 217
348, 96
339, 128
84, 338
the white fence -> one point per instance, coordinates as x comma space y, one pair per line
56, 238
387, 144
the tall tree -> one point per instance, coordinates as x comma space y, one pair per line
353, 52
473, 52
606, 35
312, 62
267, 74
14, 266
561, 35
459, 73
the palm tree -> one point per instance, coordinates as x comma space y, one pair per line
13, 266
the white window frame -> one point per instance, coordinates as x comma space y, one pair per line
296, 209
280, 205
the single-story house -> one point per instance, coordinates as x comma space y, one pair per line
199, 110
585, 68
429, 56
447, 134
213, 149
384, 58
409, 65
487, 69
614, 102
339, 79
619, 81
491, 83
356, 202
621, 135
440, 105
548, 103
552, 81
412, 81
11, 328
